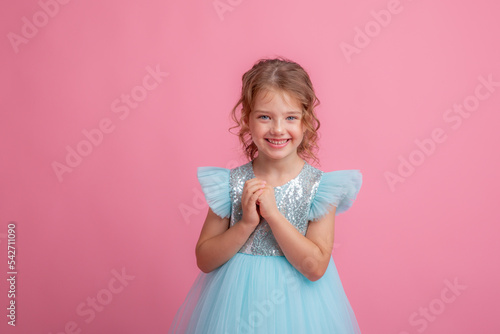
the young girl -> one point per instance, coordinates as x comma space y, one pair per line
265, 247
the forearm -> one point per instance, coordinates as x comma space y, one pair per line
214, 252
301, 252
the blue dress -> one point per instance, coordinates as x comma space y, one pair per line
258, 291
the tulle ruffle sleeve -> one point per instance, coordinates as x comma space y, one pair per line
337, 188
214, 183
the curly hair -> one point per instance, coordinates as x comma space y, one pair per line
283, 75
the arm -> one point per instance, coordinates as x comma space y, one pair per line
218, 242
309, 254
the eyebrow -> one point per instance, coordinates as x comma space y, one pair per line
293, 112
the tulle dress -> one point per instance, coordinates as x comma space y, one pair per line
258, 290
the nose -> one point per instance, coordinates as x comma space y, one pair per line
277, 127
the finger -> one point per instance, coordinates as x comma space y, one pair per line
251, 191
251, 188
253, 183
254, 198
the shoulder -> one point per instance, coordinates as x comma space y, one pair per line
311, 171
337, 188
214, 183
238, 175
244, 169
219, 174
335, 175
211, 174
344, 178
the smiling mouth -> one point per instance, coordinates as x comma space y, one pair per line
277, 142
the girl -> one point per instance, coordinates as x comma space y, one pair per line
265, 247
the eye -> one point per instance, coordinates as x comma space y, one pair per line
261, 117
291, 118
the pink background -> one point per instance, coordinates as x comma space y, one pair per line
132, 203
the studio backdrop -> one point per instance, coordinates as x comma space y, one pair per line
109, 107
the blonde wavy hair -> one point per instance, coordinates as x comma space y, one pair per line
279, 74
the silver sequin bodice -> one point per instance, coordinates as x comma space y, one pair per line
293, 200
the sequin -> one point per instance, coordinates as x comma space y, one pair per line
293, 199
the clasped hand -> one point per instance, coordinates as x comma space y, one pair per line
257, 200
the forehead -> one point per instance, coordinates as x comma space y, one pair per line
275, 97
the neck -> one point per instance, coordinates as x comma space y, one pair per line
282, 168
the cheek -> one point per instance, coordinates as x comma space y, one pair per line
300, 130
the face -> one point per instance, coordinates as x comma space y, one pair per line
276, 125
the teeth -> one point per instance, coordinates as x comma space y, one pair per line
278, 142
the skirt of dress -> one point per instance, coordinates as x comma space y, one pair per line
252, 294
